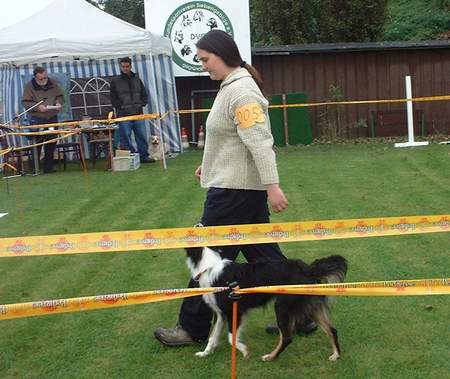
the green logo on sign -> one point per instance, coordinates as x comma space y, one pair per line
187, 24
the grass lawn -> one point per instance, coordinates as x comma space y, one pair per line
380, 337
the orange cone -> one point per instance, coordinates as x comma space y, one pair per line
201, 138
184, 138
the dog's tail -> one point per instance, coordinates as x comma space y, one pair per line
331, 269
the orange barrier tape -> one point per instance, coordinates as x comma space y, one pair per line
4, 152
150, 116
153, 116
385, 288
380, 288
79, 304
188, 111
8, 165
44, 133
50, 125
350, 102
45, 142
157, 239
164, 115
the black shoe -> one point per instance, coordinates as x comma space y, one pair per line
305, 328
176, 336
148, 160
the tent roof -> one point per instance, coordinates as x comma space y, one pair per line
18, 10
75, 29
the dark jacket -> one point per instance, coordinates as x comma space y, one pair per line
128, 94
51, 93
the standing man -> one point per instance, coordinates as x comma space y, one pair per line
128, 97
41, 88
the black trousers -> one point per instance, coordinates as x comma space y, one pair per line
228, 207
49, 148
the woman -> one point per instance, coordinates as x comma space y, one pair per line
238, 168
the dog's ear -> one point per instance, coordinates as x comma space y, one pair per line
194, 254
216, 249
193, 250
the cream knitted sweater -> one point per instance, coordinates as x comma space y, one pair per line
238, 150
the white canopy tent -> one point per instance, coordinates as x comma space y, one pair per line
75, 28
75, 38
18, 10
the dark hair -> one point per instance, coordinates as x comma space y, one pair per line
125, 60
38, 70
220, 43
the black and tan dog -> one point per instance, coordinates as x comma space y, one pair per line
210, 270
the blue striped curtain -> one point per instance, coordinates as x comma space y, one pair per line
155, 72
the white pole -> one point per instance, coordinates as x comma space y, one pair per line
409, 110
192, 119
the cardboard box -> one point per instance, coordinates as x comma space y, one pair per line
126, 163
122, 153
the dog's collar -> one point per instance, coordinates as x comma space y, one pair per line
197, 277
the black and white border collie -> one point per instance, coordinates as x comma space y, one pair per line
210, 270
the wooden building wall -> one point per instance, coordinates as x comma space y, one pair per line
361, 74
364, 75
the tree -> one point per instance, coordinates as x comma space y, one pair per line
93, 2
309, 21
131, 11
417, 20
290, 21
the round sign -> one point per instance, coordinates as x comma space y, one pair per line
187, 24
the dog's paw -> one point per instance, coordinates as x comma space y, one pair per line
267, 358
334, 357
202, 354
246, 355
